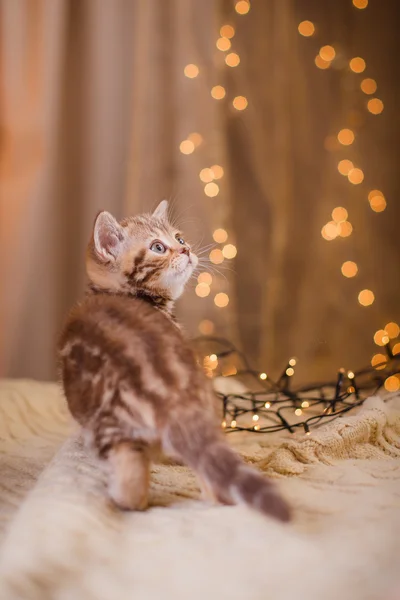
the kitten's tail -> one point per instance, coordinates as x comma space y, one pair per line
221, 470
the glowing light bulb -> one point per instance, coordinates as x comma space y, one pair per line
267, 405
292, 362
379, 361
350, 374
263, 376
298, 412
191, 71
255, 417
392, 384
306, 28
381, 337
289, 371
213, 357
305, 404
233, 424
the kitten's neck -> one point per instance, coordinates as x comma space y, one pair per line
161, 303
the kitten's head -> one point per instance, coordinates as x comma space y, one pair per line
144, 254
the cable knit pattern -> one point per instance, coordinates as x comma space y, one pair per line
64, 541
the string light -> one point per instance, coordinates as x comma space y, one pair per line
267, 405
232, 59
227, 31
366, 297
255, 417
223, 44
346, 137
393, 330
186, 147
211, 189
349, 268
206, 175
229, 251
242, 7
392, 384
305, 404
203, 290
368, 86
345, 166
216, 256
221, 300
205, 278
327, 53
360, 3
306, 28
379, 361
298, 412
233, 424
191, 71
355, 176
381, 337
292, 362
289, 371
206, 327
357, 64
218, 92
220, 236
396, 349
375, 106
240, 102
263, 376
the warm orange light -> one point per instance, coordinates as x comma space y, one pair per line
379, 359
373, 193
218, 171
306, 28
355, 176
346, 137
205, 278
339, 214
223, 44
206, 327
392, 384
216, 256
232, 59
349, 269
202, 290
368, 86
191, 71
206, 175
321, 63
345, 166
381, 337
227, 31
196, 138
375, 106
220, 236
396, 348
186, 147
211, 190
366, 297
218, 92
229, 251
346, 229
377, 200
357, 64
240, 102
330, 231
327, 53
221, 300
360, 3
242, 7
393, 330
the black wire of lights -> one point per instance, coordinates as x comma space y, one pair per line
277, 406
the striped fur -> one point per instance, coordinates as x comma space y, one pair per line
133, 383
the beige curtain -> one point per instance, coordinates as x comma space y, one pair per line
93, 107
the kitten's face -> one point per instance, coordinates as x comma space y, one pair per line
144, 253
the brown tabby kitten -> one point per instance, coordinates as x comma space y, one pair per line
130, 377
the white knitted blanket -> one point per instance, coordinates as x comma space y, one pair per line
61, 539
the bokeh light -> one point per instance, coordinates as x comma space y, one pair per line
345, 166
229, 251
330, 231
366, 297
355, 176
232, 59
216, 256
220, 236
357, 64
396, 348
392, 384
306, 28
360, 3
321, 63
211, 190
205, 278
218, 92
223, 44
375, 106
368, 85
227, 31
392, 329
346, 229
346, 137
196, 138
339, 214
191, 71
381, 337
186, 147
240, 102
217, 171
221, 300
327, 53
349, 268
377, 201
202, 290
379, 359
206, 327
206, 175
242, 7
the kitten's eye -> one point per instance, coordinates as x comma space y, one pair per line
179, 239
158, 248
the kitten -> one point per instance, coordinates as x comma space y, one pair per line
131, 379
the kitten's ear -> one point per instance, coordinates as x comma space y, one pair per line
161, 211
108, 236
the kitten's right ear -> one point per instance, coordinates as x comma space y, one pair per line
108, 237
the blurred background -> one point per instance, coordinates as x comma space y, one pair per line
273, 128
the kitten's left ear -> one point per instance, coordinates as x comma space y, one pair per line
161, 211
108, 236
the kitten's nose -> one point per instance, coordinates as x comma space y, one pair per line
184, 250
